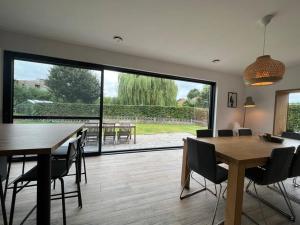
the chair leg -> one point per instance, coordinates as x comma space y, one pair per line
13, 201
79, 194
205, 185
7, 176
259, 204
216, 208
190, 194
290, 217
296, 185
63, 200
287, 200
3, 204
84, 167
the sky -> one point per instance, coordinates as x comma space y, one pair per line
24, 70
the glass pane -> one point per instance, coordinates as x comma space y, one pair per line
143, 112
293, 123
62, 94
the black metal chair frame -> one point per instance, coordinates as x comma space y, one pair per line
80, 157
272, 179
63, 195
2, 199
217, 194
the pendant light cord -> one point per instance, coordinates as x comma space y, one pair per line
264, 39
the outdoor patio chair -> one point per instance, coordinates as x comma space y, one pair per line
124, 133
109, 132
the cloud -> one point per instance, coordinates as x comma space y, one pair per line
24, 70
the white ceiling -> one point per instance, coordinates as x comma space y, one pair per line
191, 32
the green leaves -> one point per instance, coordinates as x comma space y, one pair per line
68, 84
143, 90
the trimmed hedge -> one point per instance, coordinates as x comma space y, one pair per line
293, 123
129, 111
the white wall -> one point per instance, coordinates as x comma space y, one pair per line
225, 82
260, 119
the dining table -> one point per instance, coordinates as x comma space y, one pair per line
41, 140
239, 153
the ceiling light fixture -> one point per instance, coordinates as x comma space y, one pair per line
216, 61
265, 70
118, 38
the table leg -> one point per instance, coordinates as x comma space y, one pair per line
134, 135
235, 191
185, 171
43, 189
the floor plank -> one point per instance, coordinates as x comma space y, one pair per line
141, 189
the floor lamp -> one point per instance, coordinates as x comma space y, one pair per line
248, 104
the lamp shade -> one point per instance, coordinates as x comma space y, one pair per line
249, 102
264, 71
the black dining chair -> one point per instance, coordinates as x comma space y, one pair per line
291, 135
276, 170
204, 133
59, 169
202, 160
3, 173
61, 153
245, 132
225, 133
295, 168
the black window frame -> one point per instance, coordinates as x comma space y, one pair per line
8, 88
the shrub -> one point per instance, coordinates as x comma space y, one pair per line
111, 111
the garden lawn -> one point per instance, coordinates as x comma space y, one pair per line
153, 128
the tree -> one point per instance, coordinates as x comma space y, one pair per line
198, 98
142, 90
23, 93
73, 85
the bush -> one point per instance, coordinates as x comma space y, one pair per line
111, 111
293, 122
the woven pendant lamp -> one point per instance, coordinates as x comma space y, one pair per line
265, 70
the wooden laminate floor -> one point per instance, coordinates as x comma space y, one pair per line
142, 189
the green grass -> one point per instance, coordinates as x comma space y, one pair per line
150, 128
142, 128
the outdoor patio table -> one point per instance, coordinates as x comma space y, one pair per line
19, 139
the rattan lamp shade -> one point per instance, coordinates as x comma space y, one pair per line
264, 71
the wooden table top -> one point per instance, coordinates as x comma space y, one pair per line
22, 139
246, 149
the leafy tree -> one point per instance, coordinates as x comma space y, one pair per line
110, 100
23, 93
142, 90
198, 98
69, 84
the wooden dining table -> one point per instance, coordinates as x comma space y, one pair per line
239, 153
40, 140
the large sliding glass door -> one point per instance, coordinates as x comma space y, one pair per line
123, 109
48, 93
147, 112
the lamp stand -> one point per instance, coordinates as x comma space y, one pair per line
244, 120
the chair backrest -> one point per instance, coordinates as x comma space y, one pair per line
83, 134
73, 150
295, 167
204, 133
291, 135
278, 166
125, 127
109, 127
245, 132
225, 133
3, 168
202, 158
